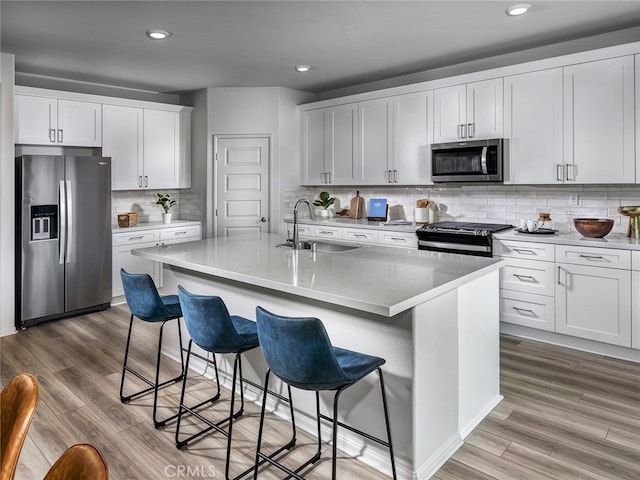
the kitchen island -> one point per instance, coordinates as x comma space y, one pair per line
432, 316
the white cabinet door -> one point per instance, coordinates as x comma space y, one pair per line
314, 147
484, 109
342, 155
122, 258
638, 128
79, 123
599, 133
35, 120
594, 303
375, 139
449, 113
122, 141
161, 149
412, 137
533, 127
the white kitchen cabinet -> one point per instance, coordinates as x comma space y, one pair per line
330, 232
473, 110
599, 125
360, 235
187, 233
635, 300
533, 152
40, 120
375, 142
412, 137
148, 148
637, 72
398, 239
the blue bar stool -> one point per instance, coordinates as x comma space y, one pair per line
316, 366
214, 330
145, 303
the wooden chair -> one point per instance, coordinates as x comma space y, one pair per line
79, 462
18, 402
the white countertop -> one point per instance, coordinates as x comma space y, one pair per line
153, 226
613, 240
380, 280
356, 223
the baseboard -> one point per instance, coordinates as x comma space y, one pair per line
467, 429
433, 464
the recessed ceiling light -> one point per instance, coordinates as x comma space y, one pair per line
516, 10
158, 34
303, 68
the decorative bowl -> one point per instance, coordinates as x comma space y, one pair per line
593, 227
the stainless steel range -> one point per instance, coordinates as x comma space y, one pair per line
459, 237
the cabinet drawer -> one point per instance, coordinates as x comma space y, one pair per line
528, 250
594, 256
141, 236
635, 261
528, 310
177, 233
527, 276
360, 235
399, 239
326, 232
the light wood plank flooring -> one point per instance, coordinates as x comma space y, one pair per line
566, 414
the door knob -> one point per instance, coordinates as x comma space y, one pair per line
263, 219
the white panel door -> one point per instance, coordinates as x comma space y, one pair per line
161, 149
375, 141
599, 126
449, 113
79, 123
242, 183
122, 140
533, 127
35, 120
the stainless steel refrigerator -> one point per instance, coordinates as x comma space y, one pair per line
63, 258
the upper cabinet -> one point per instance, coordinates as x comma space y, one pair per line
148, 148
533, 126
375, 142
329, 145
599, 126
40, 120
472, 110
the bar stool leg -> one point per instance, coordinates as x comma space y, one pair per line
386, 420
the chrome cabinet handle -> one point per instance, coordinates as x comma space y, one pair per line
528, 277
395, 176
140, 181
52, 135
525, 310
326, 232
592, 257
136, 238
180, 233
398, 239
559, 172
359, 235
524, 251
146, 181
464, 130
471, 128
571, 171
60, 137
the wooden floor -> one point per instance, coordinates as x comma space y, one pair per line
566, 414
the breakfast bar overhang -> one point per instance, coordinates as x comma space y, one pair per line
433, 316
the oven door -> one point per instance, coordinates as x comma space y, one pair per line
472, 161
477, 245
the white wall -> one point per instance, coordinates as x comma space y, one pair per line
7, 200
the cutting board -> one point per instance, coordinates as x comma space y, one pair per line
356, 207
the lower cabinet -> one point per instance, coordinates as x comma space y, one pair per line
124, 243
635, 300
356, 235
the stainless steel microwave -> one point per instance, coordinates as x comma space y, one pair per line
469, 161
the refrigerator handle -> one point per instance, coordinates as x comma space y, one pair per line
62, 242
69, 219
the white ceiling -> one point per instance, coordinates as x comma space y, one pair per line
241, 43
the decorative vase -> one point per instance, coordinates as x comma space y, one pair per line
324, 213
166, 218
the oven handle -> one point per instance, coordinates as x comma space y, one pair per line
452, 245
483, 160
454, 230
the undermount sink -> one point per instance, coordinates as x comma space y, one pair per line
323, 247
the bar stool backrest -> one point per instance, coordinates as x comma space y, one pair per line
298, 351
209, 323
142, 296
79, 462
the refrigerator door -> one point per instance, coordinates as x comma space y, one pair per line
88, 257
41, 273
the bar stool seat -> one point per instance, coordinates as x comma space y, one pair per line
146, 304
214, 330
316, 366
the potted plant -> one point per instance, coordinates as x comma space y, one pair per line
325, 201
166, 202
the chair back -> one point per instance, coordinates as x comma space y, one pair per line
142, 296
209, 323
79, 462
18, 402
298, 351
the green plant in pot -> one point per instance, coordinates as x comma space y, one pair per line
325, 201
166, 201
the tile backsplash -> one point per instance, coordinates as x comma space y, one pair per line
144, 202
491, 203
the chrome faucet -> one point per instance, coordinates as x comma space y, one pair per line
297, 245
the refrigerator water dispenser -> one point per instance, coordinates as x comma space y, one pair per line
44, 222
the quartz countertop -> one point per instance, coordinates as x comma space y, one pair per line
153, 225
356, 223
613, 240
380, 280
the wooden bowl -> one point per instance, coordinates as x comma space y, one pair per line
593, 227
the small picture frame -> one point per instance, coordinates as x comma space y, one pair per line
378, 210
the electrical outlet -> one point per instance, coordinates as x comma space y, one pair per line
573, 199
